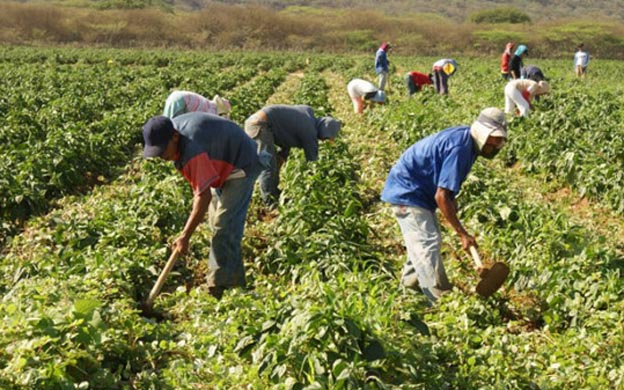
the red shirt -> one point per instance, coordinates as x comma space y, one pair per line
505, 62
420, 79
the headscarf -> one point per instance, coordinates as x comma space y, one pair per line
522, 49
508, 47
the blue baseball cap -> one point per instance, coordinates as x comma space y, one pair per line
157, 133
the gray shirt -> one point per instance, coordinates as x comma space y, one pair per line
294, 127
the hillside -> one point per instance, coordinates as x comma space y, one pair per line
457, 10
156, 23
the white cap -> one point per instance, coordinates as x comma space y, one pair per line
490, 123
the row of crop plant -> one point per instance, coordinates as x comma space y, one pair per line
565, 284
67, 128
72, 282
327, 321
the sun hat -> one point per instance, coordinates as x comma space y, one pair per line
490, 123
543, 87
223, 105
157, 133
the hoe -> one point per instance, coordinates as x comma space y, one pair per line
147, 307
491, 278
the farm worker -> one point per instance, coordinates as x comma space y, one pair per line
532, 72
428, 175
515, 65
581, 60
181, 102
519, 93
442, 70
505, 58
382, 64
416, 80
362, 90
287, 127
221, 164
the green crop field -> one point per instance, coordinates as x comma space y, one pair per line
85, 225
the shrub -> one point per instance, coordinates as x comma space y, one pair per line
499, 15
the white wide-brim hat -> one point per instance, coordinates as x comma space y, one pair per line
490, 123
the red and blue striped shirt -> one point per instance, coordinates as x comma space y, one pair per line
211, 148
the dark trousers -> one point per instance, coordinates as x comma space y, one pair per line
412, 88
440, 82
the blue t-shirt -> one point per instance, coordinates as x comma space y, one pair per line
439, 160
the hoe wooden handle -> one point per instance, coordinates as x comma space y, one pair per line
476, 257
161, 278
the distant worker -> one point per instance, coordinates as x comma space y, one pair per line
362, 91
287, 127
221, 164
515, 65
428, 176
532, 72
518, 93
505, 59
415, 81
581, 60
382, 64
181, 102
442, 70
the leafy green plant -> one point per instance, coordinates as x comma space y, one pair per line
324, 308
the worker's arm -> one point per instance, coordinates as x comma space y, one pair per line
445, 201
200, 207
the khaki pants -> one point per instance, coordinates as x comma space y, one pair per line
423, 240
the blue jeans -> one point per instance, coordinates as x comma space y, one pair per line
423, 240
227, 213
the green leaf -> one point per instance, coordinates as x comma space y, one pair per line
85, 307
374, 351
418, 324
504, 212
